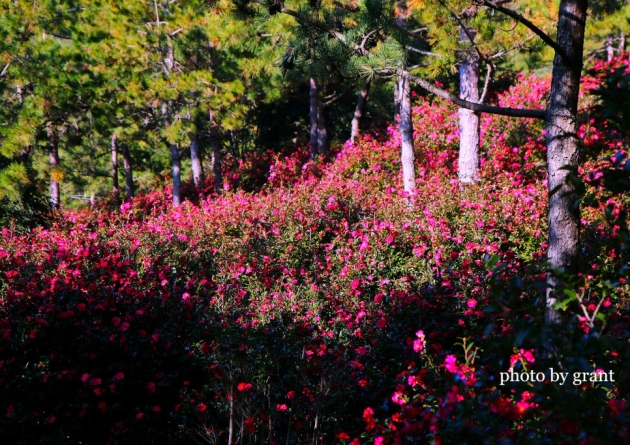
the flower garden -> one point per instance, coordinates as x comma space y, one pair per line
326, 307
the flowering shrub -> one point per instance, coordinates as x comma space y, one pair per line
328, 311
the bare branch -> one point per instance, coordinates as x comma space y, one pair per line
490, 68
6, 68
515, 47
503, 111
336, 98
424, 53
365, 39
519, 18
419, 65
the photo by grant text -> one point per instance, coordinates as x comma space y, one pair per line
578, 378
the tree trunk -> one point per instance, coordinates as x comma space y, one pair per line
358, 111
622, 42
215, 143
405, 128
313, 109
610, 50
197, 165
396, 102
562, 148
468, 163
114, 166
53, 158
128, 166
322, 133
176, 159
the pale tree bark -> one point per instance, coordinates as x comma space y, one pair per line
562, 148
53, 159
622, 42
358, 111
610, 50
468, 163
405, 128
396, 101
313, 108
176, 160
197, 165
128, 166
114, 165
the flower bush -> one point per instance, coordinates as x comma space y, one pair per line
322, 308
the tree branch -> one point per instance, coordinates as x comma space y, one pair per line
503, 111
424, 53
519, 18
6, 68
336, 98
490, 68
515, 47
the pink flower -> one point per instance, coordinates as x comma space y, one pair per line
450, 363
398, 398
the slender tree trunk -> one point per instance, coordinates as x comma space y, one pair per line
215, 143
468, 163
53, 158
176, 160
128, 166
322, 132
622, 42
176, 157
114, 166
396, 102
234, 145
314, 121
197, 165
358, 111
610, 50
562, 147
405, 128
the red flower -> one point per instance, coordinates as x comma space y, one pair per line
250, 425
202, 408
244, 387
